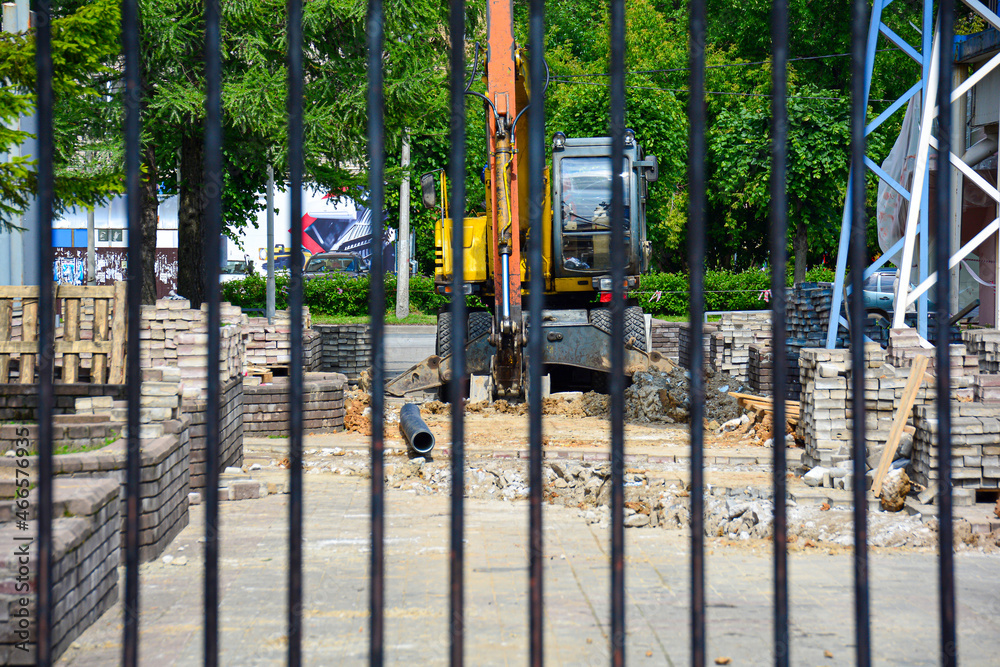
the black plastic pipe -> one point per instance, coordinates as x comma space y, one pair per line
418, 437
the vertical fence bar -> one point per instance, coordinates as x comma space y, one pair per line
942, 200
616, 383
133, 93
696, 264
213, 229
536, 169
859, 25
779, 243
295, 318
46, 329
456, 173
376, 189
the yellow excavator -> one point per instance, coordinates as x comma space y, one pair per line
576, 242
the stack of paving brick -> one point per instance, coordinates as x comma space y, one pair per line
730, 344
19, 402
826, 415
823, 423
666, 338
685, 343
346, 348
975, 453
173, 334
161, 395
884, 386
984, 344
759, 323
266, 408
86, 543
904, 345
230, 430
70, 433
270, 346
760, 370
808, 313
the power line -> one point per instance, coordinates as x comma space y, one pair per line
708, 92
724, 65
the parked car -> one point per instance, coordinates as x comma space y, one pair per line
282, 257
327, 263
880, 293
234, 269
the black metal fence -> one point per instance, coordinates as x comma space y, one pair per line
697, 177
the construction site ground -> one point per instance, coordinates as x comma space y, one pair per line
254, 538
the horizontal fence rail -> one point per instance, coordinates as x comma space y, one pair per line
106, 347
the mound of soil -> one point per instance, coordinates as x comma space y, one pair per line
666, 397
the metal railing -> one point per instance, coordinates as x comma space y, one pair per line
696, 236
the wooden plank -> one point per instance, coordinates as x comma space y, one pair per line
18, 291
6, 325
23, 347
62, 291
763, 400
85, 292
905, 406
99, 364
118, 335
71, 334
29, 336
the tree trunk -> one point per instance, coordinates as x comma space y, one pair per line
191, 268
800, 248
148, 215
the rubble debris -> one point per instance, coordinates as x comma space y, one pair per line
594, 404
895, 488
666, 397
357, 412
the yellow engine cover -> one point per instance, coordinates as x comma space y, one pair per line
477, 256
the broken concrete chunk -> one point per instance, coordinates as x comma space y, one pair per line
637, 521
815, 476
732, 425
905, 446
831, 370
927, 495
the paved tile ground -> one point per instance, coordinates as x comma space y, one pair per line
253, 557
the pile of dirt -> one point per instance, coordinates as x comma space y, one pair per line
666, 397
594, 404
357, 412
586, 405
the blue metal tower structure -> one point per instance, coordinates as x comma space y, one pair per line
923, 57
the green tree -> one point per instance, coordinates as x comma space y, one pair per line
818, 160
254, 38
87, 172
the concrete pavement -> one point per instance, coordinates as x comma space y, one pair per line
406, 345
254, 579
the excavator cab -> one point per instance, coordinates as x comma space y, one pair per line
581, 206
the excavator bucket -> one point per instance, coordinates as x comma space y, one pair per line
579, 345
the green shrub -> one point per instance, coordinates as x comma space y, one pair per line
669, 293
336, 294
820, 274
658, 294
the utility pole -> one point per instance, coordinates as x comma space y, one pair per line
270, 244
91, 258
403, 238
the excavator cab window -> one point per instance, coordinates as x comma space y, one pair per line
586, 212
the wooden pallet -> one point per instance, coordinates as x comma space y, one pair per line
766, 404
264, 374
107, 347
